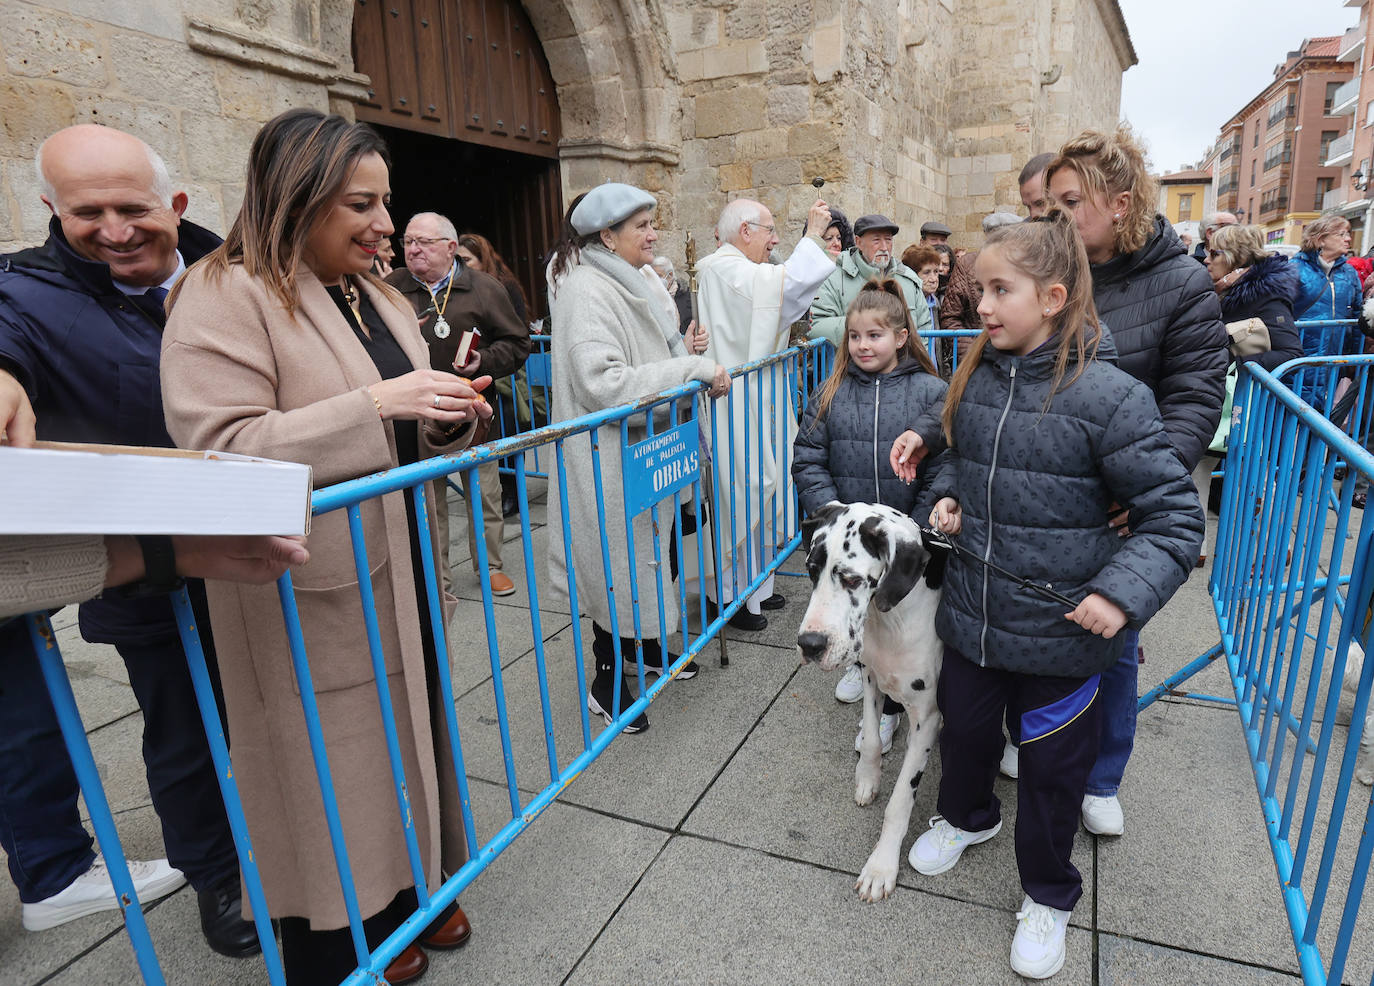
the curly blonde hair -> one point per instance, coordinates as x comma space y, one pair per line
1108, 165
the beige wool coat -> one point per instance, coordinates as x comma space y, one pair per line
608, 349
241, 374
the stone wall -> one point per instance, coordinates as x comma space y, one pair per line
919, 109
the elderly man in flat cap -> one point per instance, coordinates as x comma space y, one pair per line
934, 234
870, 257
747, 305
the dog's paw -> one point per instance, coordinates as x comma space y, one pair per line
1364, 773
866, 785
877, 879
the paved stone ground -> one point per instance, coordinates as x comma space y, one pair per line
722, 845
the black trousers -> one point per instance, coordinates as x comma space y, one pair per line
40, 828
1060, 720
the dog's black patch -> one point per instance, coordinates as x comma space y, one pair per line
859, 664
916, 779
908, 559
919, 684
935, 569
815, 562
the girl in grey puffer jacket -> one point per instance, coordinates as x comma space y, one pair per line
1044, 439
882, 377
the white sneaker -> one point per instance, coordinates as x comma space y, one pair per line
1102, 816
940, 848
1011, 761
1037, 950
92, 891
850, 687
887, 728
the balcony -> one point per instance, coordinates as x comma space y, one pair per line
1352, 44
1334, 199
1284, 114
1345, 100
1341, 150
1272, 208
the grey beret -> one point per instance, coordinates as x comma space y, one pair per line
605, 205
995, 219
938, 229
873, 221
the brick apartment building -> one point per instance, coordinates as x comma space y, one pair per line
1353, 153
1272, 160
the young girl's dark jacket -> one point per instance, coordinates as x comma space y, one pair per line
844, 456
1036, 488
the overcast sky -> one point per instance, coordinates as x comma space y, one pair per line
1202, 60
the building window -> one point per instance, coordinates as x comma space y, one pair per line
1185, 207
1327, 137
1369, 114
1253, 166
1324, 185
1331, 88
1255, 143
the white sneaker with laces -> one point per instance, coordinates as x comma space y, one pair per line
940, 848
887, 728
1011, 761
1037, 950
92, 891
1102, 816
850, 687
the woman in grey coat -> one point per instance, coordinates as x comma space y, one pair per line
615, 344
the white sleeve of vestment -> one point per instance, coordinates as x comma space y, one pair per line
807, 269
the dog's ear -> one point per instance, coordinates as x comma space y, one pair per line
907, 560
818, 520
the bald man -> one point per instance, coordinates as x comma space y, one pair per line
80, 341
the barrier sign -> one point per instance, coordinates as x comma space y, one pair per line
658, 467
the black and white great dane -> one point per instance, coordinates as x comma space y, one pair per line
876, 588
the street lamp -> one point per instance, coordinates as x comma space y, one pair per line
1358, 180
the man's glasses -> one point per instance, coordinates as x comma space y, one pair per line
771, 229
424, 241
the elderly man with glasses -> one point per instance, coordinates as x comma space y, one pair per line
870, 257
449, 299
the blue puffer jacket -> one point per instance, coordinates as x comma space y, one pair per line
843, 456
1035, 487
1326, 295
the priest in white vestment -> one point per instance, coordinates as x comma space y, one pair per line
747, 306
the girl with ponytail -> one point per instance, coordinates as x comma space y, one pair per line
883, 377
1043, 437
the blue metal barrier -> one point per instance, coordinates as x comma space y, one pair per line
1292, 587
787, 376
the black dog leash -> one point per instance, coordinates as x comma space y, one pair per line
939, 539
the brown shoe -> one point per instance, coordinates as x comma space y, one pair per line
501, 585
453, 933
407, 967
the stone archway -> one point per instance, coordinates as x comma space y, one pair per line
617, 89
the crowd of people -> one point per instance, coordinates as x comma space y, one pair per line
1054, 430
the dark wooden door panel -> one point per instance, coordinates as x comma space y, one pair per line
471, 69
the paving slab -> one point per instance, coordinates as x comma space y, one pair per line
1194, 839
713, 913
1125, 962
28, 957
790, 791
654, 777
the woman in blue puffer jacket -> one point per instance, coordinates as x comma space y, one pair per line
1330, 290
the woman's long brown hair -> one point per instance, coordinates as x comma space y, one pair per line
884, 296
1049, 251
492, 262
299, 163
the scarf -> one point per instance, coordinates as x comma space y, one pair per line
866, 270
596, 256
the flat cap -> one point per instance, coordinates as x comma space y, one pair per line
872, 221
938, 229
607, 204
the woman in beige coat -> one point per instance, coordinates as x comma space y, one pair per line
281, 344
614, 345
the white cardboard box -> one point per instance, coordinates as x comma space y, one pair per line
57, 488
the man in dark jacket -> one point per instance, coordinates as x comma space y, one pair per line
449, 299
81, 332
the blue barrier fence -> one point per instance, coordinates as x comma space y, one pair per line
651, 441
1291, 586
